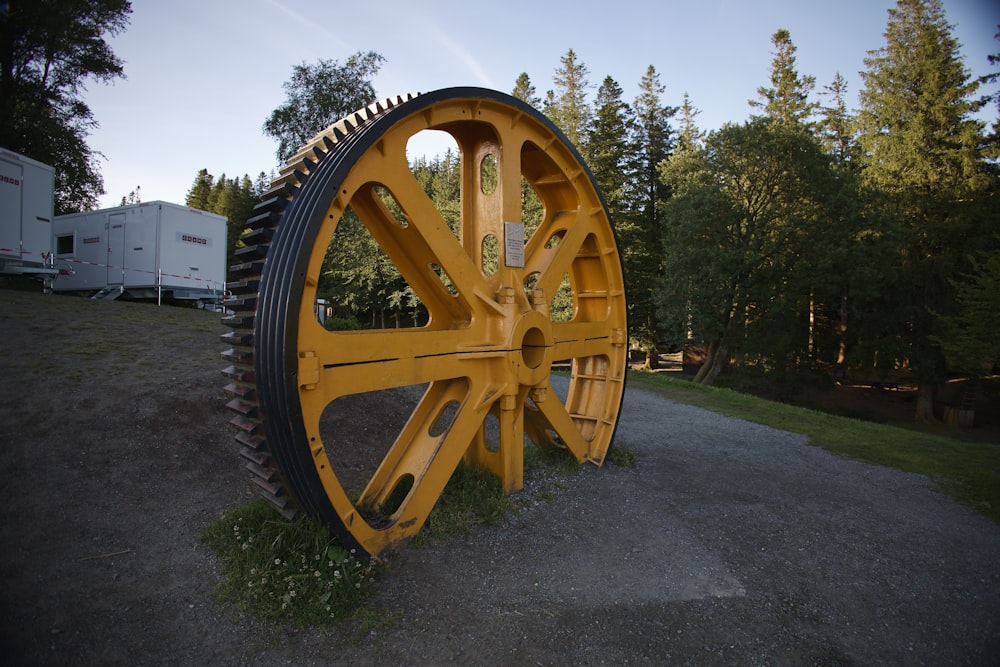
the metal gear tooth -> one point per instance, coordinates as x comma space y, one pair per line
251, 252
286, 175
240, 390
244, 338
257, 235
265, 219
247, 269
239, 321
253, 442
244, 286
283, 190
237, 356
273, 205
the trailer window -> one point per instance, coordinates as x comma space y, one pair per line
65, 244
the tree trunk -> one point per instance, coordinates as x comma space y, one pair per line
842, 352
718, 354
925, 404
652, 359
812, 325
709, 355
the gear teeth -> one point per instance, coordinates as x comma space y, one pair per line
240, 390
247, 418
284, 178
246, 269
238, 374
245, 286
237, 338
260, 234
273, 206
251, 252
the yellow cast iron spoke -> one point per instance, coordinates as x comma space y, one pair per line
425, 240
580, 339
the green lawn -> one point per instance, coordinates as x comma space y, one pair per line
969, 471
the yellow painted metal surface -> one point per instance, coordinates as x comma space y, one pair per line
490, 343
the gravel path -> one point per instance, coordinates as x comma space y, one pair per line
727, 543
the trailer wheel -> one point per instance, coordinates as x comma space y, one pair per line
473, 378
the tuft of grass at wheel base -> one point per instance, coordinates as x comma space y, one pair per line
288, 571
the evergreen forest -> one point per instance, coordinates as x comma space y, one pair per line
820, 236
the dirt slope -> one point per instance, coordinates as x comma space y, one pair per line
729, 543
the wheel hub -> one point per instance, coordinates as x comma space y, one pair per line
530, 344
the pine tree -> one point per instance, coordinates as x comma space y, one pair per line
610, 152
688, 135
921, 149
993, 148
835, 127
566, 106
524, 90
846, 261
654, 144
201, 189
788, 98
233, 198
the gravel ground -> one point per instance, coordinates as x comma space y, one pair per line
727, 543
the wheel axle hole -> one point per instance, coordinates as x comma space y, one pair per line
533, 348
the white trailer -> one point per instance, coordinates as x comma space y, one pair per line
142, 251
26, 202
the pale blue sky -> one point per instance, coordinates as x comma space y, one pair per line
204, 74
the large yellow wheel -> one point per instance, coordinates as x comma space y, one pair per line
477, 370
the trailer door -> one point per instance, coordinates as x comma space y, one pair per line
116, 249
10, 209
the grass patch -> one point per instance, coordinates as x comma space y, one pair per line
555, 459
287, 571
969, 471
295, 572
471, 497
620, 456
